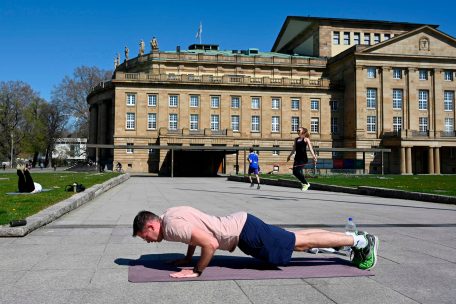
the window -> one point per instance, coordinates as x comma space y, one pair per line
397, 123
215, 122
173, 121
334, 105
275, 103
314, 125
131, 99
449, 125
346, 38
235, 123
194, 101
130, 148
371, 72
215, 102
194, 122
357, 38
295, 104
423, 124
397, 73
423, 96
336, 38
371, 98
275, 152
173, 100
275, 124
294, 123
367, 39
130, 121
376, 38
255, 102
235, 102
314, 104
397, 99
423, 74
334, 125
448, 99
448, 75
386, 36
152, 100
371, 123
255, 123
152, 121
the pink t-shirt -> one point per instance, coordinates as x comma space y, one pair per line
177, 224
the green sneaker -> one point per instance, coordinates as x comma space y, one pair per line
304, 187
366, 258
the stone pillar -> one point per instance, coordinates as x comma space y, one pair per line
431, 160
101, 128
408, 158
403, 164
437, 160
93, 130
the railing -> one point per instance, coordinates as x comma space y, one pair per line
227, 79
448, 134
132, 76
196, 132
219, 132
420, 133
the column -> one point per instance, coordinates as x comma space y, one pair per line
93, 130
437, 160
408, 157
403, 166
431, 160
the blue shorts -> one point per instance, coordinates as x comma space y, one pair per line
266, 242
253, 170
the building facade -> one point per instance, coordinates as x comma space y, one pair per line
352, 83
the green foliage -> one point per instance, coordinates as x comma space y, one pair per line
15, 207
436, 184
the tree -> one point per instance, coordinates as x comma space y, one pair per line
45, 123
73, 91
15, 96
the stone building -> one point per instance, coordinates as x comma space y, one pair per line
352, 83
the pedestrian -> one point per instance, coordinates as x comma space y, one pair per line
268, 243
300, 160
253, 167
25, 182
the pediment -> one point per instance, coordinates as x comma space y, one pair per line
424, 41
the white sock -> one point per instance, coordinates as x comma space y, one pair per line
359, 241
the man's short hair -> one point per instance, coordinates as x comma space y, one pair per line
251, 149
141, 220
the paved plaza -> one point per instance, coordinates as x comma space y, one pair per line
83, 256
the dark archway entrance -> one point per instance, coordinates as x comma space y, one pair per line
195, 163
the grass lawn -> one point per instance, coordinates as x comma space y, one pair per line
436, 184
13, 207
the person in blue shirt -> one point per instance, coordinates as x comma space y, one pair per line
253, 167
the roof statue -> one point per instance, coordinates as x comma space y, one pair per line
154, 44
126, 52
141, 47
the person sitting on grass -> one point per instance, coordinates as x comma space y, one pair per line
25, 182
268, 243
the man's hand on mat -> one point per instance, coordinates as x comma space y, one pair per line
184, 273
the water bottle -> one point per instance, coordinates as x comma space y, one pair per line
350, 228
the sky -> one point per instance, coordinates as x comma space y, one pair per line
43, 41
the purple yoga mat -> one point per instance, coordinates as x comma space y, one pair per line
246, 268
